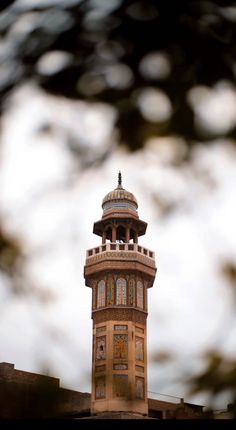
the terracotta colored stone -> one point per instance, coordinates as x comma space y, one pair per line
119, 271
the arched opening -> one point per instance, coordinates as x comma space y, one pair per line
120, 234
133, 236
109, 234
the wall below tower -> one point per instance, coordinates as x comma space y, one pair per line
119, 367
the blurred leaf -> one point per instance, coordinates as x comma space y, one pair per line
218, 376
10, 252
161, 357
228, 269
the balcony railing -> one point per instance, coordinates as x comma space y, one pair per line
133, 247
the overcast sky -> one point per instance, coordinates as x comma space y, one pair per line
50, 201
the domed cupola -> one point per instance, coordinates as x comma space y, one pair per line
119, 198
120, 220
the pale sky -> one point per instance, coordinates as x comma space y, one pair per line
50, 201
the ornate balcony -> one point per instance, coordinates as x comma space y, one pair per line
121, 256
127, 247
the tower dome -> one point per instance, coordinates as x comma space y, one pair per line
119, 198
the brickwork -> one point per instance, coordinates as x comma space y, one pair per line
31, 395
9, 373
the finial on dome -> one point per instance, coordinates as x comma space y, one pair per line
119, 179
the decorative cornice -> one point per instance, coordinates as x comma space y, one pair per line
120, 261
119, 314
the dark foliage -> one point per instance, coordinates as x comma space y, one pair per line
218, 377
10, 252
105, 43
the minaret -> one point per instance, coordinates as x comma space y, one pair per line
119, 271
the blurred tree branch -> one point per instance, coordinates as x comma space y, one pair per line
112, 51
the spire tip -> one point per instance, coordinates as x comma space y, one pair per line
119, 179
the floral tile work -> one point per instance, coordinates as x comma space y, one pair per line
120, 346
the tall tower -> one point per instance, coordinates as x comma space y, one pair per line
119, 271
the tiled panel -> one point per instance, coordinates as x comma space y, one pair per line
100, 387
120, 346
110, 291
101, 368
120, 366
139, 349
131, 293
101, 294
121, 291
139, 369
139, 329
140, 294
100, 329
139, 387
101, 348
120, 327
120, 386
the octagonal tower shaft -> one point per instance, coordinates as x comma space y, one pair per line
119, 271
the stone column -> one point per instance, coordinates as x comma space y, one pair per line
104, 237
127, 234
113, 239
